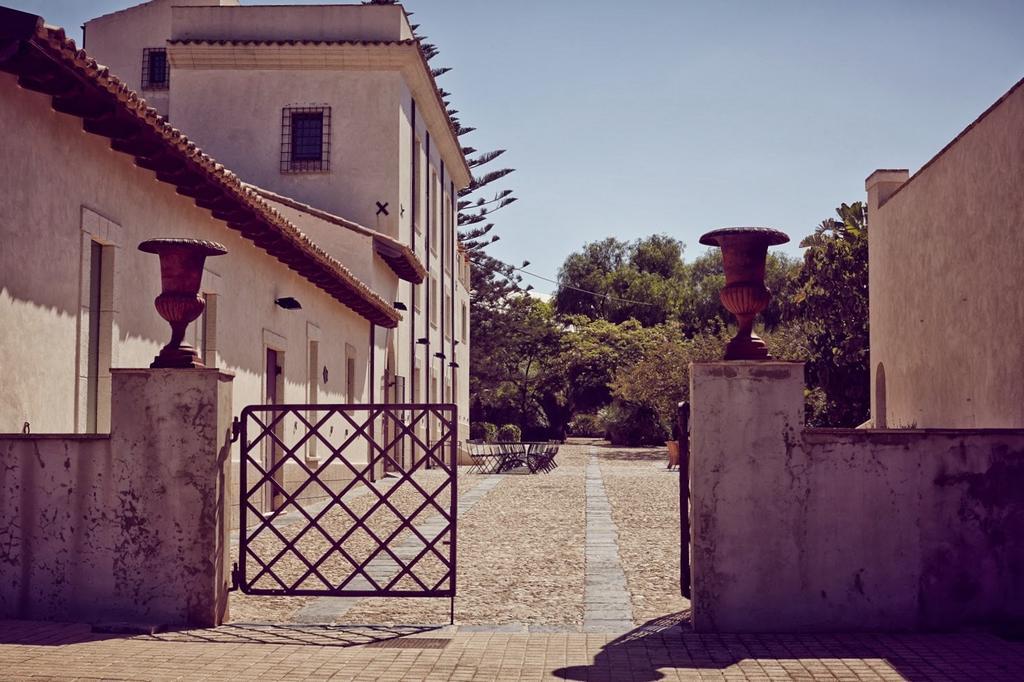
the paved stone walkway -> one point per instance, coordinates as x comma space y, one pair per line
68, 652
606, 602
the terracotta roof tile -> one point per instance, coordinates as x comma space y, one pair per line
399, 257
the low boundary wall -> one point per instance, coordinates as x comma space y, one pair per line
800, 529
130, 527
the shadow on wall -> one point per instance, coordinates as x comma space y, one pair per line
668, 643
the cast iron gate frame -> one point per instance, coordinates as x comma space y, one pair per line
401, 428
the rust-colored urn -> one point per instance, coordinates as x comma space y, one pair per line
744, 252
181, 273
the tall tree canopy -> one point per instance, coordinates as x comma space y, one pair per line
616, 281
832, 299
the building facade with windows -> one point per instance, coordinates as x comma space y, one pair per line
383, 316
332, 113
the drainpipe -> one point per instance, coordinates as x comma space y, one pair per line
412, 245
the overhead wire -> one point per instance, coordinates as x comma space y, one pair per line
584, 291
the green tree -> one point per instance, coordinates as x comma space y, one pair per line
511, 349
578, 377
660, 378
832, 299
618, 281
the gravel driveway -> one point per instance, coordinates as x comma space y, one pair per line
521, 546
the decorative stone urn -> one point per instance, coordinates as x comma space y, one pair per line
181, 273
744, 251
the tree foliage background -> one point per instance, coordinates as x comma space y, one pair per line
608, 355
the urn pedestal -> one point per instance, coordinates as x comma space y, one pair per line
179, 302
744, 252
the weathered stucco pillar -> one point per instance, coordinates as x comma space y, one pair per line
126, 528
170, 458
745, 418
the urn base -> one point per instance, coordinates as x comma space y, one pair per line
180, 357
747, 348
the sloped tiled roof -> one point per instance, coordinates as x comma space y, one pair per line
47, 61
399, 257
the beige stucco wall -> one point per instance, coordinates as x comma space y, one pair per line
40, 294
41, 312
129, 527
234, 113
831, 530
235, 116
371, 152
945, 278
292, 22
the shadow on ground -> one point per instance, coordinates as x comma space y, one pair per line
41, 634
669, 643
310, 635
606, 450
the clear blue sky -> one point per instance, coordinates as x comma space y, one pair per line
629, 118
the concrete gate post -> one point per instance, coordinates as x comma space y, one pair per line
745, 419
170, 446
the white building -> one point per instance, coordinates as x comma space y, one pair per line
342, 190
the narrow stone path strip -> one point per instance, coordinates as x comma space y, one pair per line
383, 567
606, 601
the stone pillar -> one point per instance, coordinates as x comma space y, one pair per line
170, 458
745, 425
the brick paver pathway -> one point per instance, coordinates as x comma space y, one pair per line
606, 603
66, 652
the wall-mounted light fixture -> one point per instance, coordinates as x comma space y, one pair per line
439, 354
423, 341
453, 364
400, 306
288, 303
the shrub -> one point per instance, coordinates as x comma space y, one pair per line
631, 424
509, 433
588, 425
483, 431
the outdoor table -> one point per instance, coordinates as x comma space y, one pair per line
496, 458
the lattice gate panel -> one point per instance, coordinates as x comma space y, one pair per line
314, 522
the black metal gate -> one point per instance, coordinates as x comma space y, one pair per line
314, 522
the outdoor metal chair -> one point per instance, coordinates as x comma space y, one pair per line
513, 456
546, 460
485, 460
535, 457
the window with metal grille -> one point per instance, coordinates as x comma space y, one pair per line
305, 139
156, 70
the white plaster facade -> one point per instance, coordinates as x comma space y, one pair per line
236, 71
946, 249
96, 195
